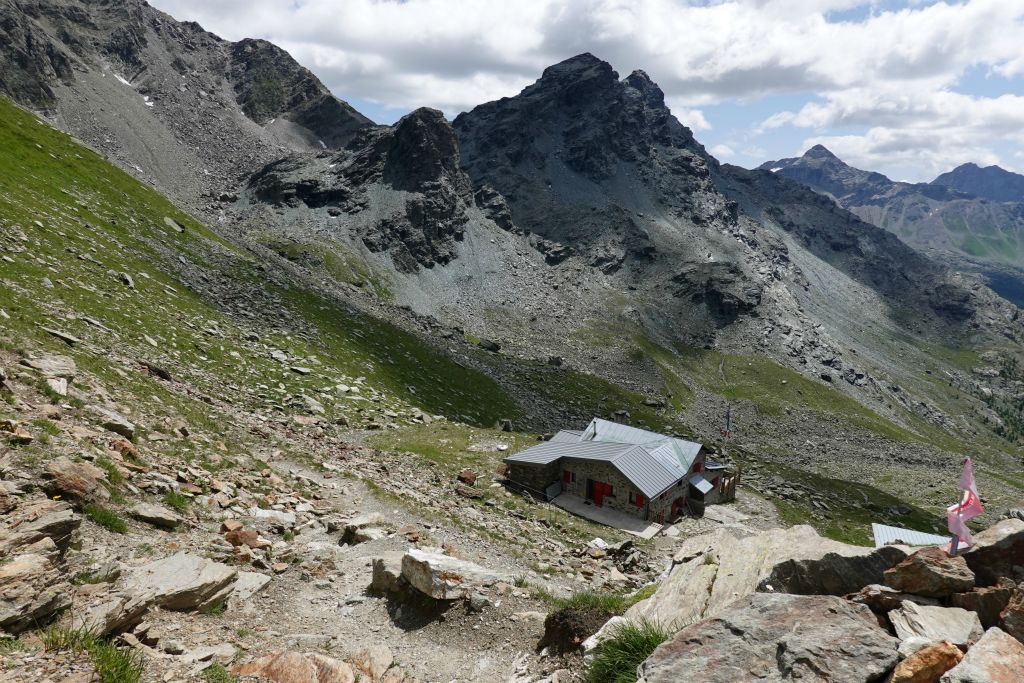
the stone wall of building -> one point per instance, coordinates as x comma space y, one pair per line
534, 478
622, 489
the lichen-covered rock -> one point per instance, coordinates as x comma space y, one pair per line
775, 638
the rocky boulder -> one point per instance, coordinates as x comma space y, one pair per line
387, 572
882, 599
927, 664
182, 582
777, 637
363, 528
111, 614
996, 658
32, 521
998, 551
833, 573
443, 577
157, 515
296, 667
987, 601
30, 592
960, 627
931, 572
78, 482
53, 366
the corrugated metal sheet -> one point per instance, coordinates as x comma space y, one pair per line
700, 483
566, 436
888, 535
603, 430
548, 452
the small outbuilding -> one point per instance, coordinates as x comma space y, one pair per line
648, 475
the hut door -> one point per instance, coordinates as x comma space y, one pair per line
599, 488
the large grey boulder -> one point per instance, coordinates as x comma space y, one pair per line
958, 626
443, 577
113, 421
996, 658
78, 482
53, 365
112, 614
182, 582
833, 573
998, 551
157, 515
777, 637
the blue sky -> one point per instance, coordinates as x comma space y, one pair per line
910, 88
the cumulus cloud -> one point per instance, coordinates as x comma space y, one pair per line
887, 67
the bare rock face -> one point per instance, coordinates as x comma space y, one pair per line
387, 571
998, 551
30, 590
182, 582
296, 667
713, 570
399, 189
443, 577
931, 572
777, 637
960, 627
927, 664
996, 658
53, 366
79, 482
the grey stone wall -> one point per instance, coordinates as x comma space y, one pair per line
534, 478
622, 488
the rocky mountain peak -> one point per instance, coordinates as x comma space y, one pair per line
581, 67
423, 149
820, 152
991, 182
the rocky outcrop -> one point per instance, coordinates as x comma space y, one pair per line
398, 189
714, 570
30, 590
996, 658
777, 637
182, 582
157, 515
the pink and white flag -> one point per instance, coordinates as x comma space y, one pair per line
969, 506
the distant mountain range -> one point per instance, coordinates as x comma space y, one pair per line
971, 218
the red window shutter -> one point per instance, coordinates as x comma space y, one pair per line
566, 476
639, 500
696, 467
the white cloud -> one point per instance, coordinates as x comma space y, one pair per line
889, 69
722, 152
